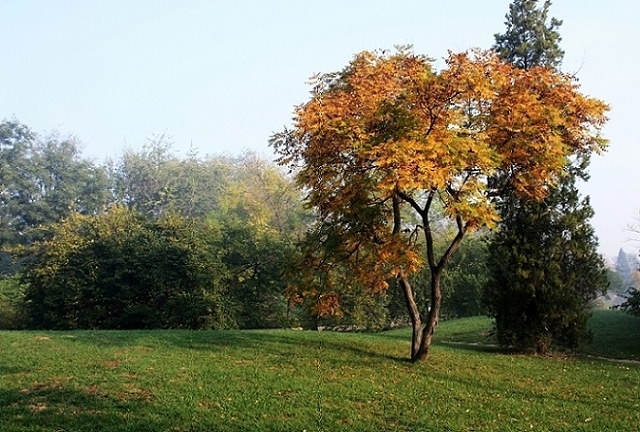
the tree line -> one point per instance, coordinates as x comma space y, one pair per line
415, 194
145, 241
153, 240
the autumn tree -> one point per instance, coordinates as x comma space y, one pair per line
382, 141
544, 262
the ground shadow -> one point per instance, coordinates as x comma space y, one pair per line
56, 408
61, 409
278, 342
472, 346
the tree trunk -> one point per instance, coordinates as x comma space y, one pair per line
432, 318
414, 314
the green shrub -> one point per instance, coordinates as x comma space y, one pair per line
121, 270
11, 296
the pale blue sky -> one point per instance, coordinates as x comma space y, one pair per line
223, 76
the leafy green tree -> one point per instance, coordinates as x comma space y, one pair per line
466, 277
16, 149
122, 270
253, 204
43, 180
544, 264
11, 298
261, 219
155, 181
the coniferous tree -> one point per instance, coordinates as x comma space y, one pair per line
529, 41
543, 261
626, 267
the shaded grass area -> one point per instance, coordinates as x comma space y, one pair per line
615, 335
291, 380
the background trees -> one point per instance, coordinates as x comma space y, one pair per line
544, 265
43, 180
154, 181
466, 278
194, 242
261, 219
388, 136
628, 269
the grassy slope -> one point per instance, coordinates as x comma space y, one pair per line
290, 380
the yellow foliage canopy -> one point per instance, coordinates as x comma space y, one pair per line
391, 127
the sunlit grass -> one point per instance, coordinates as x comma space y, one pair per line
293, 380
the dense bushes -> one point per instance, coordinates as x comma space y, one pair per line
11, 296
120, 270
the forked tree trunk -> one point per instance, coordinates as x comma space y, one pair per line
432, 318
414, 314
422, 337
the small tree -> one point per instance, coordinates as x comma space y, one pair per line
627, 267
389, 136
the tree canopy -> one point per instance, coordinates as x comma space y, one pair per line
389, 136
43, 179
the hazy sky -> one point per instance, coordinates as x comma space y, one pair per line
223, 76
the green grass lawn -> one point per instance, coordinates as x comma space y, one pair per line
294, 381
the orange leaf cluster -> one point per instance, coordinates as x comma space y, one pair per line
389, 126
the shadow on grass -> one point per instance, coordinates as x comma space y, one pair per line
473, 347
274, 342
403, 334
7, 370
61, 409
56, 408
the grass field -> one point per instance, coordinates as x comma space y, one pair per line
296, 381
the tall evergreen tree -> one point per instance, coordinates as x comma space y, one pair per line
529, 40
543, 261
626, 267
